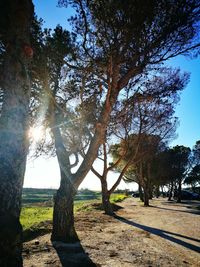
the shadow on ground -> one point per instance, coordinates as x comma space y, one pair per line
192, 206
192, 211
73, 255
173, 237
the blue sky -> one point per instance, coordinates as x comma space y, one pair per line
188, 110
45, 173
51, 13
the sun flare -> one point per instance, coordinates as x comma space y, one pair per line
36, 133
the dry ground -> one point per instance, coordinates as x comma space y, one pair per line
165, 234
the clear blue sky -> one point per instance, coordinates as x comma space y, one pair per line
44, 173
188, 109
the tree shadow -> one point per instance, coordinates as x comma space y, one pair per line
193, 206
164, 234
185, 203
192, 211
73, 255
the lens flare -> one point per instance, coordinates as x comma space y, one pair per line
36, 133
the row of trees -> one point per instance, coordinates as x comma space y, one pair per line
103, 81
162, 166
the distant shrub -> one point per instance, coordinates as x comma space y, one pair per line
117, 198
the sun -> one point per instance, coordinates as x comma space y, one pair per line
36, 133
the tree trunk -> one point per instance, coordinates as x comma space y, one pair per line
13, 128
63, 213
150, 192
157, 191
146, 196
146, 187
106, 198
179, 191
162, 190
170, 192
140, 192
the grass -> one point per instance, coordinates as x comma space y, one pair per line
32, 196
32, 216
37, 211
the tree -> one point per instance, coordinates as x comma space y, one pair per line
152, 125
196, 153
180, 156
15, 24
150, 145
163, 171
50, 93
114, 50
142, 113
193, 177
106, 193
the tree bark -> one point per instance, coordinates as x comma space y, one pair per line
146, 196
106, 198
170, 192
63, 213
179, 191
13, 128
147, 187
157, 191
150, 192
140, 192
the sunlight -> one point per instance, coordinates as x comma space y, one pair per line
36, 133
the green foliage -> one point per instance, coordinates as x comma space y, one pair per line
180, 156
117, 198
130, 29
196, 153
193, 178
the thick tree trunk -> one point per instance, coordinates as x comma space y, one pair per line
179, 191
63, 213
106, 198
13, 127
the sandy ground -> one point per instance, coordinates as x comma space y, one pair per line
164, 234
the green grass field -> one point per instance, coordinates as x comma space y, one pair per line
31, 216
33, 196
34, 210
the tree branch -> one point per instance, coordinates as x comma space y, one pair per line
96, 173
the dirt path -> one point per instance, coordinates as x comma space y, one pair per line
165, 234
